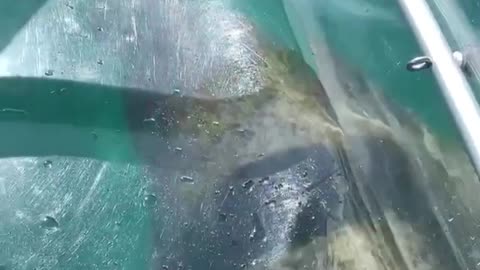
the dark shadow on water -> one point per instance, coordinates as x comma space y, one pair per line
42, 117
14, 15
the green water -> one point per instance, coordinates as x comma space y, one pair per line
381, 50
98, 201
377, 44
270, 19
118, 223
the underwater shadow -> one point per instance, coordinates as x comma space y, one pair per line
43, 117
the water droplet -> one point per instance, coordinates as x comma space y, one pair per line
176, 91
217, 192
216, 123
243, 265
47, 164
12, 110
248, 184
222, 217
49, 222
305, 174
450, 219
164, 267
69, 6
150, 120
271, 202
117, 225
178, 149
261, 155
100, 62
150, 200
253, 234
99, 29
49, 72
186, 179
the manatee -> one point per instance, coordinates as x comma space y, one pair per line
276, 192
272, 183
282, 172
370, 207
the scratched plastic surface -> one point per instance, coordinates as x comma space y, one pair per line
459, 24
66, 201
142, 134
383, 59
73, 192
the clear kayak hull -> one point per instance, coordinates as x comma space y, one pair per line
222, 135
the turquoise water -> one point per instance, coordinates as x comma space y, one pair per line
381, 48
270, 18
373, 38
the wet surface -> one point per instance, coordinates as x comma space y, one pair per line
241, 222
173, 135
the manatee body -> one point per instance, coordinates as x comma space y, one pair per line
268, 181
254, 162
263, 170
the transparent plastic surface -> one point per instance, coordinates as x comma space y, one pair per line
460, 23
444, 173
198, 135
